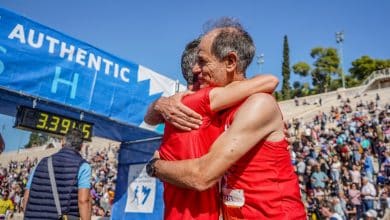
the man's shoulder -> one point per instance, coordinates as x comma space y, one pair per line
259, 99
200, 96
260, 102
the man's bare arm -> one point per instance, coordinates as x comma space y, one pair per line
231, 94
84, 203
247, 129
152, 116
25, 198
172, 110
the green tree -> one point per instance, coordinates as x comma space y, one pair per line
301, 68
325, 65
286, 69
297, 87
365, 65
37, 139
351, 81
306, 89
278, 96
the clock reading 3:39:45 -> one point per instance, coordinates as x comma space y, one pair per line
34, 119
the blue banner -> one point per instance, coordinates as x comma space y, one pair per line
137, 196
41, 62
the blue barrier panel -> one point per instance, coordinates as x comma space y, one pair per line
137, 196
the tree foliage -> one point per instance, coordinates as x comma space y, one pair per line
37, 139
286, 69
301, 68
365, 65
326, 64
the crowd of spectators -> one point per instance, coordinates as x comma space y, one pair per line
14, 177
343, 157
104, 171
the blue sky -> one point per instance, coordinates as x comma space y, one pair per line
154, 33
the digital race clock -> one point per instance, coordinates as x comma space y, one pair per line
35, 119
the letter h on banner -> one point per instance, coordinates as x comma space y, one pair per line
72, 84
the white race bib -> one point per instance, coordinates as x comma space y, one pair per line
233, 197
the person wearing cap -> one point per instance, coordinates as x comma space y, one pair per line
72, 176
371, 214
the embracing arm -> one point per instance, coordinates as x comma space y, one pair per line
152, 116
231, 94
247, 129
172, 110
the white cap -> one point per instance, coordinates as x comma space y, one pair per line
371, 213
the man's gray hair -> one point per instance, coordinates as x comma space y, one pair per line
188, 60
74, 139
232, 38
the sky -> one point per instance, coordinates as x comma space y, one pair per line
153, 33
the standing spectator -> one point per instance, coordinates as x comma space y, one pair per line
368, 192
301, 165
296, 101
335, 169
327, 210
355, 174
368, 165
345, 176
318, 178
383, 195
313, 206
356, 201
338, 207
6, 206
72, 177
343, 203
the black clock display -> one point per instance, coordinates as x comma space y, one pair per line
35, 119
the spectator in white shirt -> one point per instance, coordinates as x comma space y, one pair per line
368, 193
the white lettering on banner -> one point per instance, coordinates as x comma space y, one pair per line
94, 61
123, 71
18, 32
52, 43
80, 56
108, 64
64, 50
31, 42
69, 52
141, 192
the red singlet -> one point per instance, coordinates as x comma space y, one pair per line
262, 184
179, 145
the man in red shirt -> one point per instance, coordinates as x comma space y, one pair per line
251, 155
178, 145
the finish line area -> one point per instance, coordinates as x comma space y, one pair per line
51, 82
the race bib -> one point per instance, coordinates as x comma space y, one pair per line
233, 197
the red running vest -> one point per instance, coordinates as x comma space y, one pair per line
262, 184
179, 145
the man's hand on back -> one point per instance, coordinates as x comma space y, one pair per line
177, 113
